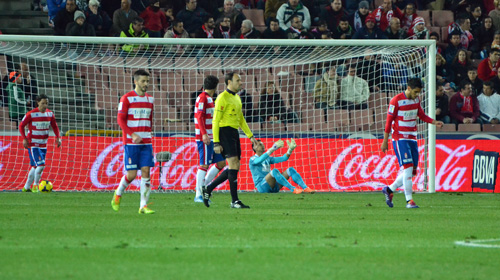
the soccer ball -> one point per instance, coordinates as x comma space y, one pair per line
45, 186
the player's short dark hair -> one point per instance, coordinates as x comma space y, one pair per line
140, 72
464, 83
229, 77
415, 83
253, 146
210, 82
41, 96
137, 20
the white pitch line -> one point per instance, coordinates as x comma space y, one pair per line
479, 243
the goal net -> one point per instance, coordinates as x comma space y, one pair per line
331, 96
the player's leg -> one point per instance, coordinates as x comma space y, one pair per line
277, 177
146, 161
409, 173
216, 168
39, 159
389, 191
130, 158
294, 174
31, 173
204, 153
265, 187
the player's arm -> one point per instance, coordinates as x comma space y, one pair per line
427, 119
391, 115
26, 120
278, 144
55, 128
122, 120
201, 116
220, 106
291, 146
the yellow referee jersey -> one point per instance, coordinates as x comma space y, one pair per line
228, 113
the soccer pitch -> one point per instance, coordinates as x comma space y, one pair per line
283, 236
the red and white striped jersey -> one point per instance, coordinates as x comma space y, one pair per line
203, 115
403, 115
38, 127
135, 115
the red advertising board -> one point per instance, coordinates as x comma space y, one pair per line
96, 163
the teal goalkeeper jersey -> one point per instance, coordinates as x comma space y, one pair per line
261, 166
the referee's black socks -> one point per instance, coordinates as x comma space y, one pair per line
233, 183
217, 181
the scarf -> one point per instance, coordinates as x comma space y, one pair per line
210, 34
244, 36
467, 107
358, 23
295, 30
225, 33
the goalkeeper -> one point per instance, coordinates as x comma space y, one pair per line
271, 181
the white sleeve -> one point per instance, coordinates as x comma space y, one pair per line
280, 16
306, 23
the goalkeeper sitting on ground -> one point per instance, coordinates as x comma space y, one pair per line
271, 181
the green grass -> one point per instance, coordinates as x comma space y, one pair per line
283, 236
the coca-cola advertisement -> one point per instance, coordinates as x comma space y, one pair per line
328, 165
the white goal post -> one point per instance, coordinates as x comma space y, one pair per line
311, 90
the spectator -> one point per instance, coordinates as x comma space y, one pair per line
64, 17
344, 30
394, 31
384, 13
476, 83
488, 67
442, 72
320, 29
247, 31
140, 5
29, 85
462, 25
169, 14
333, 13
80, 27
460, 66
98, 18
484, 35
369, 31
155, 21
297, 31
122, 18
250, 114
410, 14
272, 7
326, 90
451, 51
228, 11
475, 17
192, 17
17, 98
495, 14
135, 30
489, 104
418, 31
54, 6
274, 31
225, 28
464, 107
177, 31
354, 91
207, 30
357, 20
368, 68
395, 74
441, 105
290, 9
272, 107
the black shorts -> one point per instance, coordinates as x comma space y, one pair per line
230, 141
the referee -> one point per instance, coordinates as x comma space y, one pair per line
227, 120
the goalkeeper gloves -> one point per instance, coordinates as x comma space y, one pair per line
277, 145
291, 146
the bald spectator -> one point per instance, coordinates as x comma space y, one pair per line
192, 16
272, 7
332, 14
228, 11
64, 17
369, 31
292, 8
394, 31
488, 68
357, 20
384, 13
122, 18
297, 30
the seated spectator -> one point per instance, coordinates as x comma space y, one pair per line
442, 72
410, 14
464, 107
418, 31
169, 14
250, 114
326, 90
98, 18
228, 11
369, 69
17, 98
140, 5
489, 104
435, 36
225, 28
384, 13
272, 107
460, 66
344, 30
488, 67
207, 30
462, 26
122, 18
247, 31
274, 31
290, 9
475, 17
441, 105
476, 83
354, 91
80, 27
135, 30
484, 35
395, 75
155, 21
495, 14
176, 31
332, 14
369, 31
394, 31
357, 20
297, 30
320, 29
192, 17
272, 7
451, 51
53, 7
64, 17
29, 86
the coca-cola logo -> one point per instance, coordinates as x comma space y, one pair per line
174, 173
450, 175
